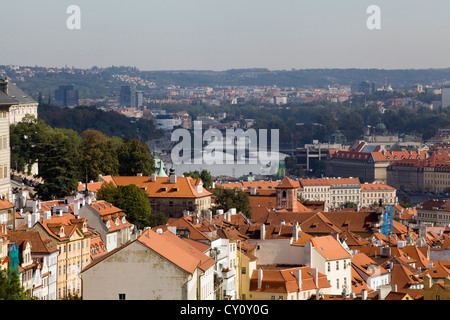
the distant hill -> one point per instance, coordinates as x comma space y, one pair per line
96, 83
111, 123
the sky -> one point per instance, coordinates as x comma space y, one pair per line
226, 34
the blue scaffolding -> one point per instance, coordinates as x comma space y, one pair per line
388, 221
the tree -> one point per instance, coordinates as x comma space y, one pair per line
406, 202
134, 203
58, 166
107, 192
10, 287
25, 138
205, 175
134, 157
233, 198
98, 155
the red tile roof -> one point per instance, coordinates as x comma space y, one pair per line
184, 187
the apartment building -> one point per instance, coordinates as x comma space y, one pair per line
71, 237
330, 258
335, 192
372, 193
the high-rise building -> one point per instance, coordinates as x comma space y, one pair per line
66, 96
445, 96
126, 96
139, 99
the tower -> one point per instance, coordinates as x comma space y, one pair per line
286, 195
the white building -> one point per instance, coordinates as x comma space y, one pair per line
157, 265
445, 96
333, 191
330, 257
373, 274
109, 221
6, 102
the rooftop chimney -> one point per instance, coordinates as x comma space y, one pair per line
263, 232
364, 294
315, 275
260, 276
298, 275
295, 231
47, 215
4, 85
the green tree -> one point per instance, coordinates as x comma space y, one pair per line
107, 192
25, 138
98, 155
205, 175
134, 202
58, 165
406, 202
134, 157
233, 198
10, 287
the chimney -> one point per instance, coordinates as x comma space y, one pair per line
159, 231
153, 178
295, 231
76, 208
47, 215
35, 217
315, 275
263, 232
35, 205
227, 215
260, 277
298, 275
28, 220
4, 85
173, 178
253, 191
364, 294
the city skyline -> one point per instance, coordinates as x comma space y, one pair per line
200, 35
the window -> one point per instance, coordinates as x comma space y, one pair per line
337, 265
243, 270
122, 296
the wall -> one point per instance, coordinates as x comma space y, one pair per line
278, 251
140, 274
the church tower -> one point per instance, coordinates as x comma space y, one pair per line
287, 195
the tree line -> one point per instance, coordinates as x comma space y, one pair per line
65, 157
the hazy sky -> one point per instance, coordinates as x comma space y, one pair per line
225, 34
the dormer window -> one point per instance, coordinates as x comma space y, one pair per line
108, 224
116, 221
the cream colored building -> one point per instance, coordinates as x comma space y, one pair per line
330, 258
333, 191
156, 266
6, 103
71, 237
374, 192
26, 104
